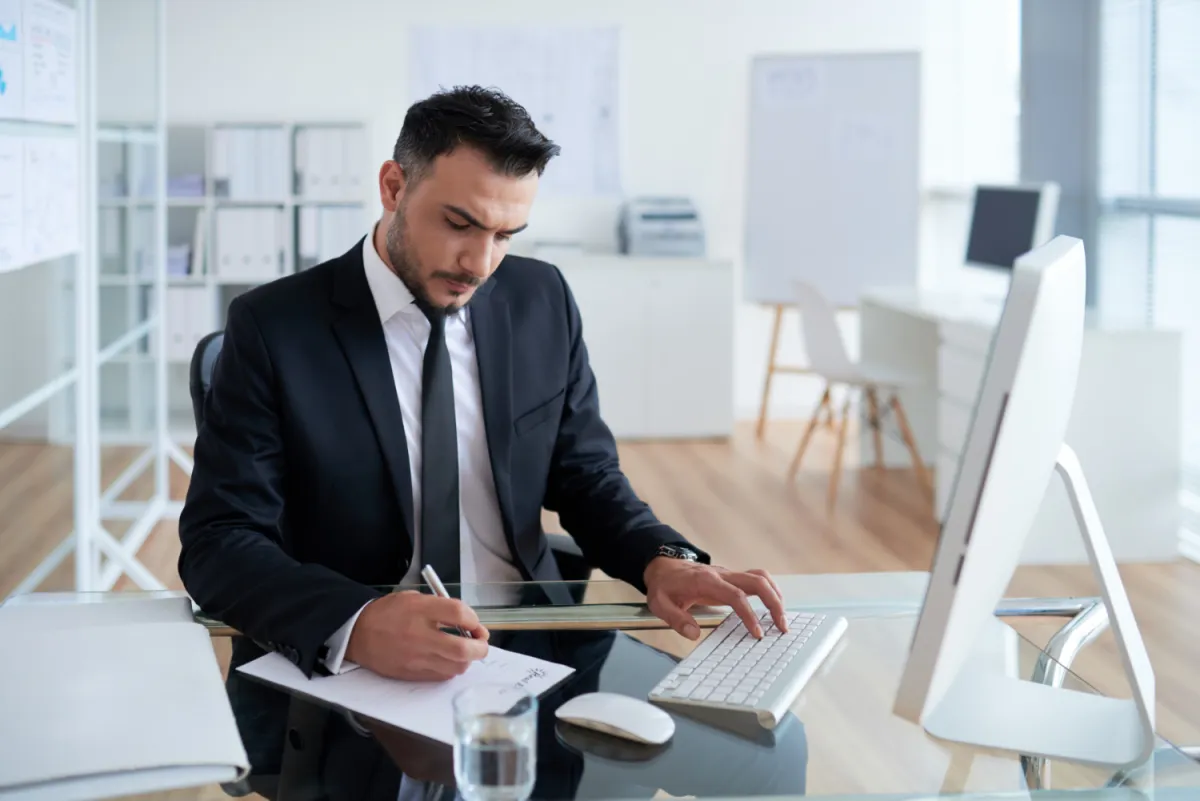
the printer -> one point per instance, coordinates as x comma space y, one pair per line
660, 226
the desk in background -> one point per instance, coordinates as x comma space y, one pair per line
659, 333
1125, 424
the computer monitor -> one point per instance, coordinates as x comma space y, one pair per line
1009, 221
1014, 445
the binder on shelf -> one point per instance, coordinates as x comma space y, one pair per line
354, 146
221, 160
300, 163
189, 318
308, 240
199, 239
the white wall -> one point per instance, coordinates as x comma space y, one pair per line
685, 68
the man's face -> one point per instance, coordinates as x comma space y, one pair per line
449, 231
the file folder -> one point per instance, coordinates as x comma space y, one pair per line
112, 699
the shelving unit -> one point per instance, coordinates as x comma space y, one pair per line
296, 170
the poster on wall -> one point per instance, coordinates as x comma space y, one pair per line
12, 207
12, 102
50, 215
567, 78
49, 61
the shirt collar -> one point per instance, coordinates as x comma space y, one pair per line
390, 293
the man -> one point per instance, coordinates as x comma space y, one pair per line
416, 401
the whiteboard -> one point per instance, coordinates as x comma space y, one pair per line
566, 78
832, 175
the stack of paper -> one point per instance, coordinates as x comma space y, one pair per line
108, 699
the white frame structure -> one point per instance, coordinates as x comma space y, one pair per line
101, 558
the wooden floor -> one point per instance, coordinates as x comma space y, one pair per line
732, 500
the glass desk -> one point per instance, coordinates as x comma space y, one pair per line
840, 740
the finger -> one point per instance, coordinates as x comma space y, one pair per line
754, 583
759, 572
674, 616
453, 613
462, 650
736, 598
439, 668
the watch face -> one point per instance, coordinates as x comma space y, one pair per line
678, 553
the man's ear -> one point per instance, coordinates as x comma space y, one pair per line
392, 183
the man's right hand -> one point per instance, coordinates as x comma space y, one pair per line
400, 636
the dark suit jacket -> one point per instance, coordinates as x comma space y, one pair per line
300, 499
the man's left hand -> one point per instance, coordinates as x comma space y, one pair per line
673, 586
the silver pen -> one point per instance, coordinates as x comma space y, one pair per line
431, 578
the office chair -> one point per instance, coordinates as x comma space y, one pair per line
828, 358
567, 555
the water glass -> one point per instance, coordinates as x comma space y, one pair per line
495, 743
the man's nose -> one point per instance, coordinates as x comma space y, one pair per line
477, 258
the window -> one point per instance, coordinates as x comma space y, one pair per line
1149, 183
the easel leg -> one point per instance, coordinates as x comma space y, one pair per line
873, 409
762, 411
808, 432
836, 477
906, 433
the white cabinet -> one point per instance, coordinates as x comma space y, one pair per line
659, 334
1124, 425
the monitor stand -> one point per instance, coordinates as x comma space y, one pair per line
988, 708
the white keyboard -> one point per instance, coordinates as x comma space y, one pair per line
730, 670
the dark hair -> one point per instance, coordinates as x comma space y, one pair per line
485, 119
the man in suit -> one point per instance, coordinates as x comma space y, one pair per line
416, 401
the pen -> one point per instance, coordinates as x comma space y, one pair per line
431, 578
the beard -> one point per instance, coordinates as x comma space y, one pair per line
408, 269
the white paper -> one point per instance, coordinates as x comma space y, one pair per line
425, 708
49, 61
12, 104
566, 78
12, 204
51, 198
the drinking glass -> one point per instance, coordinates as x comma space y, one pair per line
495, 743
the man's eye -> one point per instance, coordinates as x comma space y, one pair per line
457, 226
503, 237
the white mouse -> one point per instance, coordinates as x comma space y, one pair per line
620, 716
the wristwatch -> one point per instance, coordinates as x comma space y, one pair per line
677, 552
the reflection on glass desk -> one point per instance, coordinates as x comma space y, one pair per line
840, 738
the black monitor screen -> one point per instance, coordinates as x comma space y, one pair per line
1002, 226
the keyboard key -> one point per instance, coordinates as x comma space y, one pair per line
718, 697
701, 694
737, 698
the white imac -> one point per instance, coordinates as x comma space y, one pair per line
1014, 446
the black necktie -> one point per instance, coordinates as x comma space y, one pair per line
439, 455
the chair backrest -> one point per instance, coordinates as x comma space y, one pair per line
822, 338
200, 374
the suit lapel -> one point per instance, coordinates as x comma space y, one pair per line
492, 331
360, 334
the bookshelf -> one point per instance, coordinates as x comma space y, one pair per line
246, 203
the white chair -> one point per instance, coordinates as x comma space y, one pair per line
827, 357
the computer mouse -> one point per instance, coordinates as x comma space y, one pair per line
618, 715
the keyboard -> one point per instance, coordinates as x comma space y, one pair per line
731, 670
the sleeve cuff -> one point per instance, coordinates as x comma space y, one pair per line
335, 647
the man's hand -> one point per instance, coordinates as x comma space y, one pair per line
673, 586
400, 636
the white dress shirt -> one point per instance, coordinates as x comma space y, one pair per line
484, 555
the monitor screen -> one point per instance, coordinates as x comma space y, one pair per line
1002, 226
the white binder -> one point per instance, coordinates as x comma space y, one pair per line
111, 699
